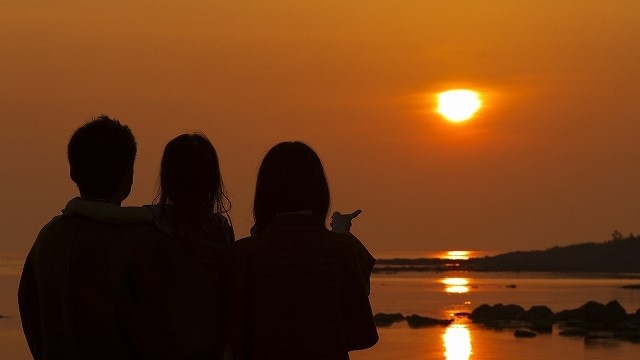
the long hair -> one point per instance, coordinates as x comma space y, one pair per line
191, 191
291, 178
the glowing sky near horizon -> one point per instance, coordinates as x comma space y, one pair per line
550, 159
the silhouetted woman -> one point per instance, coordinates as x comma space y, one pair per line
298, 290
192, 210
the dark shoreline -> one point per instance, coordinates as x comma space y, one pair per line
616, 256
435, 269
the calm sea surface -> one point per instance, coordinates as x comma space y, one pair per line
438, 295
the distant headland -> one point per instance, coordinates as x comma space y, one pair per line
618, 255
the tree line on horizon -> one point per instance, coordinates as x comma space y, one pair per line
619, 254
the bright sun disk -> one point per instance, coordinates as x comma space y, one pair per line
458, 105
457, 255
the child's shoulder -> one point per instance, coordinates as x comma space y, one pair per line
154, 208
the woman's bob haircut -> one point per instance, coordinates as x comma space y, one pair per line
291, 178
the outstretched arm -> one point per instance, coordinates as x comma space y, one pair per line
342, 223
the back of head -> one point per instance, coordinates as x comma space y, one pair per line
190, 174
101, 153
291, 178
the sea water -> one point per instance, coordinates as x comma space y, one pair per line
443, 294
439, 295
13, 346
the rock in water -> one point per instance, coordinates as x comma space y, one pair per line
382, 319
417, 321
573, 331
522, 333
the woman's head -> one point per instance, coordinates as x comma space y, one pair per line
190, 176
291, 178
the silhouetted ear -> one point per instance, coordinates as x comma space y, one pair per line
125, 185
73, 176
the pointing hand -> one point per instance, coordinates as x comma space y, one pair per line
342, 222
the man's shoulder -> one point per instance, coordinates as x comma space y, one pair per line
57, 225
76, 225
76, 219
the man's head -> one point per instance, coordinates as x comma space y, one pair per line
101, 155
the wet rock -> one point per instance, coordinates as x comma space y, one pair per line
523, 333
382, 319
486, 313
542, 326
595, 316
632, 286
635, 318
573, 331
608, 316
569, 315
540, 317
482, 313
538, 312
597, 335
627, 334
614, 313
417, 321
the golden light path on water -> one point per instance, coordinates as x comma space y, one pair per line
457, 342
457, 338
456, 285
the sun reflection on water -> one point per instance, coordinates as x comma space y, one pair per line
456, 285
457, 342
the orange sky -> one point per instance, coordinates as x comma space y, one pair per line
551, 159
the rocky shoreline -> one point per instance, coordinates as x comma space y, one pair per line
592, 320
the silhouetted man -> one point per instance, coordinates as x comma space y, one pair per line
92, 290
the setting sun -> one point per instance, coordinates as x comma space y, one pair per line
457, 255
458, 105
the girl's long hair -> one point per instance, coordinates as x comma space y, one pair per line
191, 191
291, 178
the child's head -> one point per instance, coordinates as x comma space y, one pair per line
190, 175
